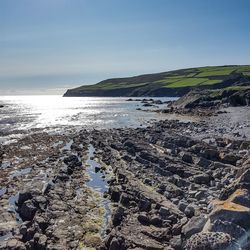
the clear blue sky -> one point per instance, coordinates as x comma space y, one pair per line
49, 45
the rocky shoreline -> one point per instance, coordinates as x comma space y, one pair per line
168, 184
172, 185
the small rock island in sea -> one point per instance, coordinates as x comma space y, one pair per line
179, 183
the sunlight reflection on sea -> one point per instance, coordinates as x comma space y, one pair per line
29, 112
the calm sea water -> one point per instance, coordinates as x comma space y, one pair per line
22, 113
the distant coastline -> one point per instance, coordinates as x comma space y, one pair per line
166, 84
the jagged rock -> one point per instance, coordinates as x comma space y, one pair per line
30, 234
210, 154
149, 157
189, 211
182, 205
187, 158
203, 162
115, 244
200, 195
231, 211
71, 158
65, 170
143, 219
211, 241
40, 241
164, 211
176, 242
194, 225
240, 98
176, 229
156, 221
172, 218
62, 177
202, 179
229, 158
232, 229
23, 230
118, 216
173, 191
245, 145
40, 202
125, 199
72, 161
23, 196
130, 146
127, 158
48, 186
144, 205
42, 222
115, 194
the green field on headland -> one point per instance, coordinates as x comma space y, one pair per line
171, 83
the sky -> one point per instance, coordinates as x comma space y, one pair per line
47, 46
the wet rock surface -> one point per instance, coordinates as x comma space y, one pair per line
167, 182
50, 206
172, 185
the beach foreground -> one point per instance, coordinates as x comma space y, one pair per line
176, 184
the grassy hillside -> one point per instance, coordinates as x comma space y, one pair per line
161, 83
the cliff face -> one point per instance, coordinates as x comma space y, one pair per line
172, 83
233, 96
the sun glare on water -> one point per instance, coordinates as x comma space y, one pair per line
27, 112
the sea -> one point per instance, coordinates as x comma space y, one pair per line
24, 114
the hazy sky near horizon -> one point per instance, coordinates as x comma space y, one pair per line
47, 46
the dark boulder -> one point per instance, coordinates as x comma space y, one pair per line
144, 205
118, 216
115, 194
23, 196
187, 158
143, 219
194, 225
27, 210
72, 161
210, 154
156, 221
229, 158
202, 179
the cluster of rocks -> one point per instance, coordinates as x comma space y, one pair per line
149, 102
51, 206
42, 210
165, 188
207, 99
169, 190
202, 103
